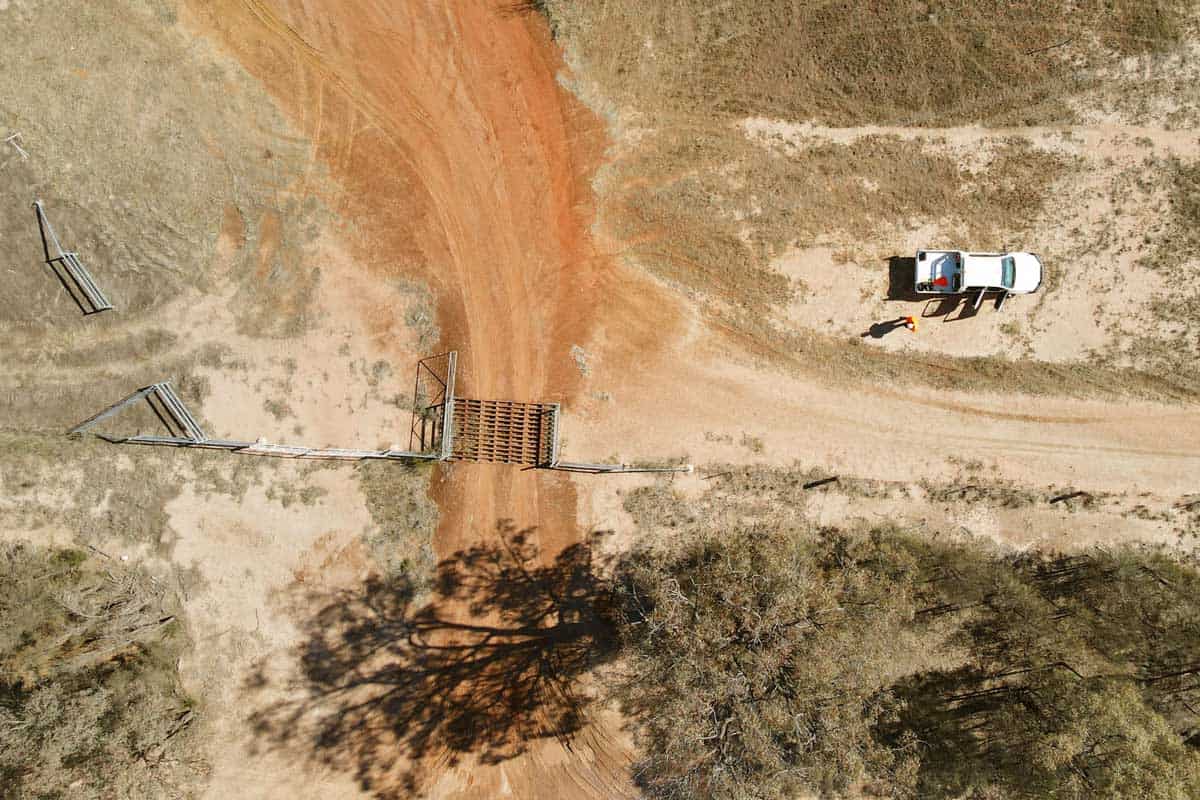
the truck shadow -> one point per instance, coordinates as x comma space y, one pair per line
901, 275
489, 664
944, 307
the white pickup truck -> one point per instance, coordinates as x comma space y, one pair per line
956, 271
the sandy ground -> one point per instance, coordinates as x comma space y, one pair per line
885, 432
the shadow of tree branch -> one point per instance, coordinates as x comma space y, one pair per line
488, 665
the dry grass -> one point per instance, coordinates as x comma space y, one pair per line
195, 207
852, 362
86, 488
913, 62
708, 209
91, 703
164, 150
160, 135
1179, 241
404, 517
1171, 345
703, 206
98, 492
736, 548
777, 495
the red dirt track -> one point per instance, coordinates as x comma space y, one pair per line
462, 162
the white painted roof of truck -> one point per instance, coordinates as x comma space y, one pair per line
982, 269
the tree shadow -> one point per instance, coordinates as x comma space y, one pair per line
946, 714
901, 272
1036, 731
515, 8
487, 666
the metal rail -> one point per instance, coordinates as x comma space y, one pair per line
498, 431
69, 270
176, 416
604, 469
448, 407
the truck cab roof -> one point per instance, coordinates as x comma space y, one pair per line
1019, 273
987, 269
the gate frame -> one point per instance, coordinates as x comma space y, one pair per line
444, 398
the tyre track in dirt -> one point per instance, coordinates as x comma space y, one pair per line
468, 117
891, 432
1180, 142
461, 161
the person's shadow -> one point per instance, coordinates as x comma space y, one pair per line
882, 329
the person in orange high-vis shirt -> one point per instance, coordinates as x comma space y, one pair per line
911, 323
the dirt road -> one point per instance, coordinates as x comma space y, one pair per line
897, 433
463, 163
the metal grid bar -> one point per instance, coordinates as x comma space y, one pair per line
168, 420
174, 441
567, 466
83, 279
220, 444
178, 411
503, 431
44, 228
448, 407
111, 410
185, 431
433, 433
193, 427
344, 452
554, 435
497, 431
276, 450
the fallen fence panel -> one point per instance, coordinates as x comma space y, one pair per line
69, 270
